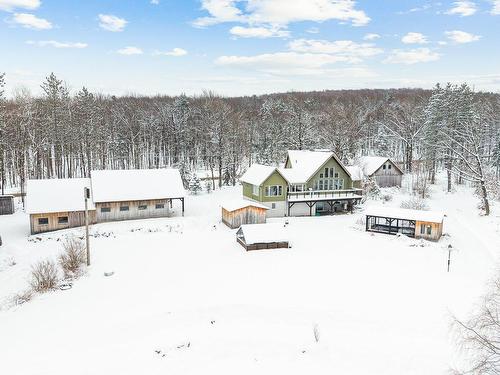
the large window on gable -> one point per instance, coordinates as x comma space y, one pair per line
274, 191
255, 190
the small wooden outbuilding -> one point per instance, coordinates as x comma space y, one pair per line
263, 236
6, 204
413, 223
241, 212
383, 170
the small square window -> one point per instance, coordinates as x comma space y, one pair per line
384, 166
124, 208
142, 207
389, 166
62, 220
336, 175
429, 229
160, 206
43, 221
105, 209
273, 205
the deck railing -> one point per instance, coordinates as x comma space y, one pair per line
323, 194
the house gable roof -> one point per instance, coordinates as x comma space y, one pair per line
257, 174
304, 164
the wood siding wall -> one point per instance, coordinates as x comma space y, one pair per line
133, 210
436, 231
75, 219
388, 177
245, 215
6, 205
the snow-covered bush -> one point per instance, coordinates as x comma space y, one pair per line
44, 276
414, 203
195, 184
386, 197
22, 297
73, 257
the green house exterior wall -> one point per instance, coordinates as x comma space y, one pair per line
332, 163
273, 179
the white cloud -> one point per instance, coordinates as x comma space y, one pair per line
412, 56
414, 38
280, 12
155, 2
30, 21
463, 8
313, 30
258, 32
9, 5
176, 52
112, 23
461, 37
347, 50
128, 51
55, 44
371, 36
496, 8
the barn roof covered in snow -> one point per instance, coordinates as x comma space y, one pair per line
264, 233
405, 214
304, 164
241, 203
370, 164
56, 195
136, 185
257, 174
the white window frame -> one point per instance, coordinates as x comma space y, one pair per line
255, 190
279, 191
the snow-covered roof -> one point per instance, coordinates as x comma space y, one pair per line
304, 164
136, 185
56, 195
264, 233
405, 214
241, 203
356, 172
370, 164
257, 174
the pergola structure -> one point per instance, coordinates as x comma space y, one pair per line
390, 225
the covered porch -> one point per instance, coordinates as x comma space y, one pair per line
324, 202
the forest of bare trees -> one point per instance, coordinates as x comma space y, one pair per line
59, 135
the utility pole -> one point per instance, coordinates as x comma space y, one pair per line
449, 256
86, 193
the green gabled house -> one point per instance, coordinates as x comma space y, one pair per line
310, 183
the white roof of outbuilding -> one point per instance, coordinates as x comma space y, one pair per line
356, 172
370, 164
406, 214
257, 174
241, 203
136, 185
264, 233
56, 195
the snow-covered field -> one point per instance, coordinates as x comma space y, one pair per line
185, 298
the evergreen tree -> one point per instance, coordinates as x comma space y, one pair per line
195, 184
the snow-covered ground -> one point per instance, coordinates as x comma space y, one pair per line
185, 298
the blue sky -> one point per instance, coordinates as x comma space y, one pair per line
241, 47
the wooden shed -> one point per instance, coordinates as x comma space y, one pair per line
413, 223
6, 204
241, 212
263, 236
383, 170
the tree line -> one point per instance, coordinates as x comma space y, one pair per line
60, 135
